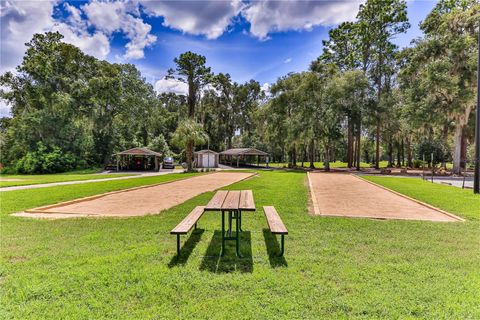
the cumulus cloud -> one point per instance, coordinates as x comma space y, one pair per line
110, 17
270, 16
209, 18
171, 86
19, 21
266, 88
288, 60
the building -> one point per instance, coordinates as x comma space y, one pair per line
242, 155
206, 159
139, 159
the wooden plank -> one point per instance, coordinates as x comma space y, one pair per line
275, 223
231, 201
187, 223
246, 201
217, 201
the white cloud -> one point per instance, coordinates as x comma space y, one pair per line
4, 109
19, 21
209, 18
288, 60
266, 88
171, 86
110, 17
270, 16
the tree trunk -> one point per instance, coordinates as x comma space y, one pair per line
409, 154
457, 152
349, 142
445, 141
399, 154
326, 162
463, 152
390, 154
359, 136
312, 154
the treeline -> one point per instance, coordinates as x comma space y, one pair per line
363, 99
72, 110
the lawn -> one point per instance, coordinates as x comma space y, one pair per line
319, 165
333, 267
9, 180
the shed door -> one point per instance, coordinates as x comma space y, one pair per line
209, 160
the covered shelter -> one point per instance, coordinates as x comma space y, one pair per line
242, 155
141, 159
206, 159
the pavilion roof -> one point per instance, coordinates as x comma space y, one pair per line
244, 152
140, 152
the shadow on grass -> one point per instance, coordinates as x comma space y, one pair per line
273, 250
186, 249
213, 262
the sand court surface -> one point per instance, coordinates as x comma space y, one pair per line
144, 200
345, 195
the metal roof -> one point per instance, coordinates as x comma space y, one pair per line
140, 152
244, 152
205, 151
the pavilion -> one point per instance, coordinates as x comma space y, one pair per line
241, 154
142, 159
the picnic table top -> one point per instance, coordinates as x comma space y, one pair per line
232, 200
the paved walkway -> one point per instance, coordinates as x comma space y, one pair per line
139, 201
337, 194
53, 184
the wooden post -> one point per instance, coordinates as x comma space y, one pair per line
118, 160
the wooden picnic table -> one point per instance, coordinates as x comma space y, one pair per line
233, 203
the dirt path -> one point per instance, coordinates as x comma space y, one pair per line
141, 201
345, 195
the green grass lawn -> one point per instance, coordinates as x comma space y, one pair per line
451, 199
319, 165
333, 267
27, 179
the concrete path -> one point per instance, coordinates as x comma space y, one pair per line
53, 184
139, 201
338, 194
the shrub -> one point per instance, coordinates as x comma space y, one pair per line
44, 161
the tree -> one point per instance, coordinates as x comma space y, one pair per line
189, 134
378, 23
191, 69
439, 75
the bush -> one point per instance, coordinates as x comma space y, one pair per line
44, 161
417, 163
427, 147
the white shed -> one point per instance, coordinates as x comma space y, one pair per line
206, 159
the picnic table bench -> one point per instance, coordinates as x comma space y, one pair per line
276, 225
186, 224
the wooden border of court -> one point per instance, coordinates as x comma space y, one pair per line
316, 209
97, 196
412, 199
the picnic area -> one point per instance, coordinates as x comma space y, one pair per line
240, 159
333, 265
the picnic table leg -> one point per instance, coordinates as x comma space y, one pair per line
223, 233
230, 223
178, 244
240, 218
237, 237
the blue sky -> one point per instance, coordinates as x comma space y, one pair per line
259, 40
